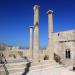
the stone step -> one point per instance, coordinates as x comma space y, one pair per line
14, 65
10, 71
37, 69
16, 70
16, 73
20, 67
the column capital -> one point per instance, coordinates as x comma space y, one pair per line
30, 26
35, 6
49, 12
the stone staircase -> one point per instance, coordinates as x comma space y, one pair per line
12, 68
20, 67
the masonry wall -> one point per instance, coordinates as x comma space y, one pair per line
62, 42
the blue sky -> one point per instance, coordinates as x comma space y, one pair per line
17, 15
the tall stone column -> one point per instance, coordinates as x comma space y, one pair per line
36, 34
50, 21
50, 31
31, 43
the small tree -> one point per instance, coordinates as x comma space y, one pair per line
57, 58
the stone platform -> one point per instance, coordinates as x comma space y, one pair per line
42, 68
14, 68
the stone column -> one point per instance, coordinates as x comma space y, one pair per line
50, 31
31, 43
36, 34
50, 21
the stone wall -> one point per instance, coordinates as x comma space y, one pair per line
62, 42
